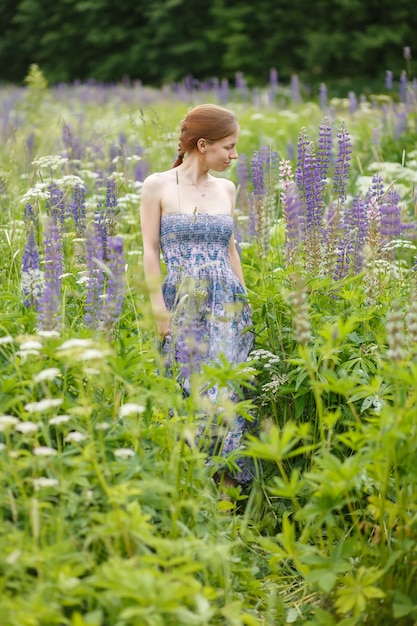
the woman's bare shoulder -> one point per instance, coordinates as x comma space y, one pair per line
158, 178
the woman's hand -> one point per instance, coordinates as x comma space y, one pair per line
163, 322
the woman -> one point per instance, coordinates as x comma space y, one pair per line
201, 310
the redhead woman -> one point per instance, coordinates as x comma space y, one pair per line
201, 309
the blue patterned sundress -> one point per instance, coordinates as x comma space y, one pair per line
210, 316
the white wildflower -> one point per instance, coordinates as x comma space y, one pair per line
70, 181
43, 481
59, 419
49, 334
6, 421
31, 344
75, 437
6, 339
35, 194
91, 354
2, 447
43, 405
48, 374
72, 344
102, 426
44, 451
50, 162
129, 408
123, 453
27, 427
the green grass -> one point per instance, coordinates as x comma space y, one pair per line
109, 515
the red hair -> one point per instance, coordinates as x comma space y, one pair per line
208, 121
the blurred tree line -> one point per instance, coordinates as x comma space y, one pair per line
162, 41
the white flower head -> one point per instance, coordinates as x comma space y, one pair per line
43, 481
59, 419
70, 181
38, 192
102, 426
30, 344
2, 446
6, 421
75, 437
49, 334
44, 451
130, 408
43, 405
27, 427
50, 162
123, 453
6, 339
92, 354
48, 374
70, 344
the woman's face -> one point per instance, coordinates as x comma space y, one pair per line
219, 154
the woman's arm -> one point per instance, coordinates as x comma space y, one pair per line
150, 219
233, 253
235, 262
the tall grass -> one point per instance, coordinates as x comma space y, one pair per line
109, 513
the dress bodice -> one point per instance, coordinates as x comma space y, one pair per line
196, 244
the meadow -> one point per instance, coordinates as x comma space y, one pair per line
109, 515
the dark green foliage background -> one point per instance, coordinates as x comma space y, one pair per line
347, 43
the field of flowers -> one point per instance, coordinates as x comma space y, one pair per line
109, 515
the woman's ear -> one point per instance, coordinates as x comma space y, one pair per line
201, 145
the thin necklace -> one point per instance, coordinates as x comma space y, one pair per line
202, 193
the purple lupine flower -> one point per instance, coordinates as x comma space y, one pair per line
407, 53
341, 170
323, 95
111, 198
388, 79
240, 82
305, 177
95, 275
30, 144
349, 252
224, 91
32, 276
377, 188
403, 86
257, 169
273, 78
71, 143
261, 161
113, 303
273, 84
55, 206
295, 89
111, 204
50, 302
390, 212
78, 210
376, 137
29, 216
359, 225
353, 102
102, 229
401, 122
322, 162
